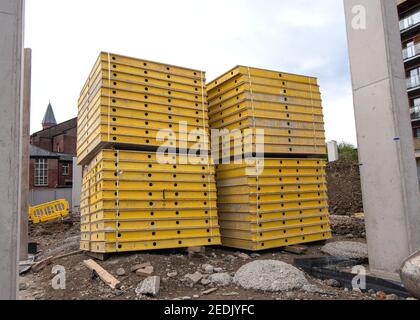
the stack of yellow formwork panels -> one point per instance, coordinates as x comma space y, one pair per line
287, 106
132, 202
132, 197
281, 199
127, 101
273, 203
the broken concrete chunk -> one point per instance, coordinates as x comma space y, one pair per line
120, 272
147, 271
243, 256
221, 279
332, 283
150, 286
208, 268
194, 278
140, 266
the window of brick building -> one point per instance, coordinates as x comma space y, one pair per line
41, 172
66, 169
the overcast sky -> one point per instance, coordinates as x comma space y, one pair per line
298, 36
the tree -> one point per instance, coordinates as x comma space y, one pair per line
347, 151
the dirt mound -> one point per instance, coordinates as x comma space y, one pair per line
344, 188
347, 225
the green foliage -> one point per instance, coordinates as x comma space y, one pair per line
347, 151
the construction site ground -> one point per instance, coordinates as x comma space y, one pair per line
60, 237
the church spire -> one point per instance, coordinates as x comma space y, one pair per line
49, 118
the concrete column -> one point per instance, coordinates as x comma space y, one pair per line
11, 74
26, 121
390, 188
332, 148
77, 186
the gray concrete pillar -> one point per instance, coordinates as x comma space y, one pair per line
77, 186
11, 74
390, 188
26, 121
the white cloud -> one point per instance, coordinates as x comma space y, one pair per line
299, 36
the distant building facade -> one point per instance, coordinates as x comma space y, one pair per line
51, 153
409, 13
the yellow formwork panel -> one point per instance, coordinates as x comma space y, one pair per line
269, 141
270, 171
255, 88
134, 119
109, 60
245, 101
156, 224
108, 247
280, 132
260, 73
253, 109
155, 112
146, 215
268, 198
150, 157
241, 115
273, 189
147, 89
284, 226
117, 104
275, 243
148, 96
270, 207
271, 83
292, 150
241, 97
144, 204
136, 104
153, 177
273, 126
161, 195
154, 167
150, 235
263, 235
144, 79
320, 214
157, 186
270, 181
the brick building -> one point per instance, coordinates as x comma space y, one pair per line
51, 153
